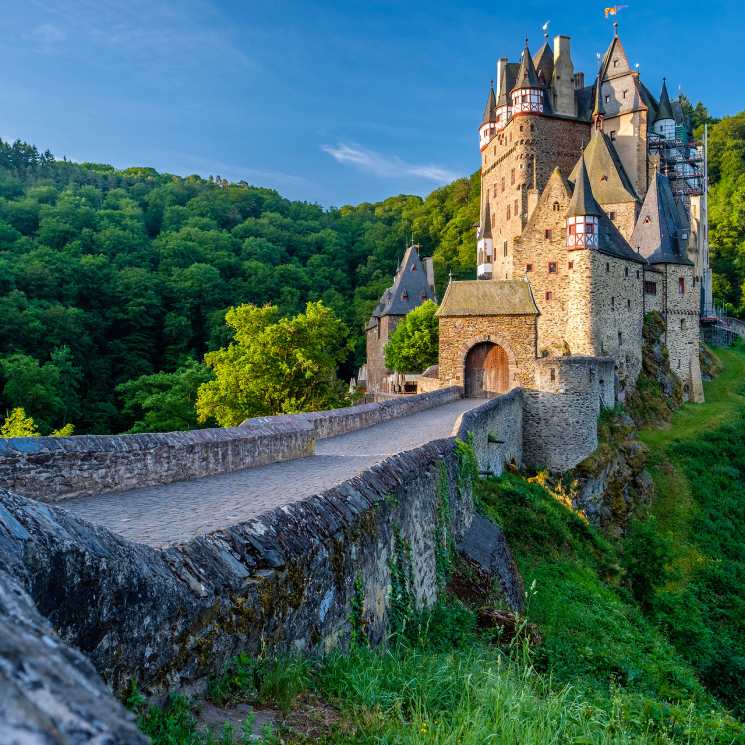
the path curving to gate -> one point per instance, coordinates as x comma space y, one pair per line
177, 512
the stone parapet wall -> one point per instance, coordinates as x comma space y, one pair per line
55, 468
496, 431
285, 581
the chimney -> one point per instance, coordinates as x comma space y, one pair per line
579, 80
563, 79
501, 62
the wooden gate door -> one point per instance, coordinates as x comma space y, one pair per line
487, 371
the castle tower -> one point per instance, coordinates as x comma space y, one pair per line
583, 214
485, 245
664, 123
527, 93
488, 127
562, 78
620, 111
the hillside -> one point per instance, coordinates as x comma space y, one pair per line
107, 275
111, 277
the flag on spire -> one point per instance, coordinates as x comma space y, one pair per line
613, 10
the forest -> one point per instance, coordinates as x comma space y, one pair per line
114, 284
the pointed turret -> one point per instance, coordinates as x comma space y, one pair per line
583, 213
488, 127
583, 201
490, 110
598, 112
527, 93
664, 123
485, 245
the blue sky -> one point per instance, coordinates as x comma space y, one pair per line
330, 102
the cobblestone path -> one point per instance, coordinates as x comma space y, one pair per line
175, 513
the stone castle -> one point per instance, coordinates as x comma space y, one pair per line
593, 213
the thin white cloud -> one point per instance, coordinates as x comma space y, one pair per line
386, 166
49, 34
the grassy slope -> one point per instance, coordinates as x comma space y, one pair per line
606, 671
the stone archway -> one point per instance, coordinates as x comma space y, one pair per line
486, 370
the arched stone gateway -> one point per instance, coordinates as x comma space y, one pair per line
487, 371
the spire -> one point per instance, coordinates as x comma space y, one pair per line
583, 201
485, 231
503, 92
526, 75
490, 111
597, 109
665, 110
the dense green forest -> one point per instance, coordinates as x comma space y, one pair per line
109, 276
114, 284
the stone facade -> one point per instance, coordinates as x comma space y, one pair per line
523, 154
376, 338
561, 412
515, 334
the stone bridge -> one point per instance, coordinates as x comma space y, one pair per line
159, 557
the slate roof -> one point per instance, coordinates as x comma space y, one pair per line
582, 201
526, 75
485, 227
544, 61
610, 184
665, 110
657, 234
409, 290
612, 243
490, 110
488, 297
585, 98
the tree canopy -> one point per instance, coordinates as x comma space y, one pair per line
275, 365
413, 346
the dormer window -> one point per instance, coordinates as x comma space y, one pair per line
607, 99
604, 177
405, 296
615, 63
582, 232
556, 207
647, 220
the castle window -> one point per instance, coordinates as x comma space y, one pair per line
404, 296
502, 183
556, 207
612, 215
607, 267
504, 248
650, 288
607, 99
548, 233
512, 176
613, 303
552, 267
626, 272
571, 265
647, 220
553, 375
695, 281
628, 304
495, 190
637, 274
625, 93
493, 220
615, 63
549, 296
528, 267
620, 338
604, 177
613, 134
413, 267
516, 208
532, 127
521, 127
682, 324
508, 211
681, 286
378, 328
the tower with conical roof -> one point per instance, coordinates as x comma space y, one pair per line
664, 123
583, 214
488, 127
484, 244
527, 93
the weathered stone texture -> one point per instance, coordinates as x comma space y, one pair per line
515, 334
508, 174
51, 694
560, 418
376, 339
496, 430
